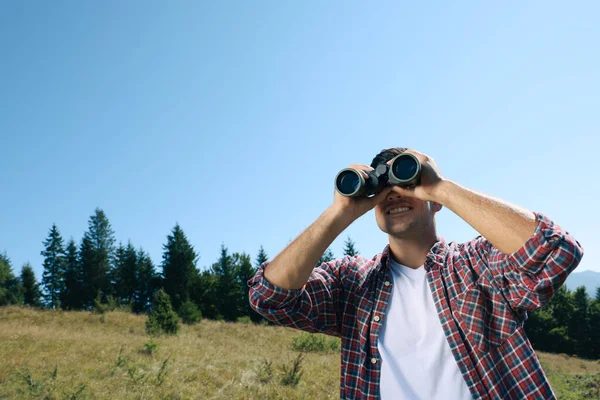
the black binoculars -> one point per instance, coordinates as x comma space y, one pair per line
404, 170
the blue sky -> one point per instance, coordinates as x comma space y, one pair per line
232, 118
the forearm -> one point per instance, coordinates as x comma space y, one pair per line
506, 226
291, 268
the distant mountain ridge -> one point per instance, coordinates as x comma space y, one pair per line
589, 279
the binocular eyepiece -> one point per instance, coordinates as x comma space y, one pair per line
404, 170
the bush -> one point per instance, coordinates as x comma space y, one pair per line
162, 318
292, 374
244, 320
150, 347
264, 371
314, 342
101, 307
189, 313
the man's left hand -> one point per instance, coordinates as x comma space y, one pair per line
429, 189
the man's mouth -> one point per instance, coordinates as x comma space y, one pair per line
398, 210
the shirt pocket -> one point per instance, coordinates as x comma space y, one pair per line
484, 318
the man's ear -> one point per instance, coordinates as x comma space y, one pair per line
435, 207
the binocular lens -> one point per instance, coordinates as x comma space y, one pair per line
405, 168
348, 182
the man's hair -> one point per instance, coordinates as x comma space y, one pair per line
386, 155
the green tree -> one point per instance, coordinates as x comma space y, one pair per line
11, 291
594, 328
162, 318
53, 277
245, 272
179, 267
226, 294
261, 257
579, 327
96, 256
598, 293
31, 289
124, 274
326, 257
204, 292
72, 297
350, 248
146, 282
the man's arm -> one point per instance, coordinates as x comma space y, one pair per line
528, 256
290, 291
293, 266
505, 225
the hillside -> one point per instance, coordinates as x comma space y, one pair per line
57, 355
589, 279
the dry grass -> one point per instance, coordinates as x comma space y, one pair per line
56, 355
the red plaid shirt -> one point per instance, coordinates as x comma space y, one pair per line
482, 297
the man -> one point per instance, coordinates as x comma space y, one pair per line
425, 319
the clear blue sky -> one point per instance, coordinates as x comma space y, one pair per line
232, 118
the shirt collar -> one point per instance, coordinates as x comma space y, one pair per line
435, 257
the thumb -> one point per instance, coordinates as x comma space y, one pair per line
378, 198
405, 191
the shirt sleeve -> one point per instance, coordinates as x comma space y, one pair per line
313, 308
529, 277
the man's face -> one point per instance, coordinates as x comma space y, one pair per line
405, 217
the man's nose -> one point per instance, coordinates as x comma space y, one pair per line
393, 195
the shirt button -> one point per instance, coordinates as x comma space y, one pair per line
373, 360
386, 283
377, 318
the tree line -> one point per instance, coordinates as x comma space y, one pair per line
96, 272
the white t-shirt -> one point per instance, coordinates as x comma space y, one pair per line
416, 361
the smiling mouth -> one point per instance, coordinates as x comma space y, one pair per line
398, 210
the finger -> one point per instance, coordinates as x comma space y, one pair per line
405, 191
381, 196
362, 169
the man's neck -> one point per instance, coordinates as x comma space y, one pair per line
411, 252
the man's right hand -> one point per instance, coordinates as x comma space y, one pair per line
355, 207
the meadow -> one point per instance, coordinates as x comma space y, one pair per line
81, 355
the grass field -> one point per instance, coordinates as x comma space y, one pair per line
79, 355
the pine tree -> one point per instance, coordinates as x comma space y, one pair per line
179, 267
204, 292
146, 280
245, 272
96, 255
578, 329
326, 257
11, 290
72, 297
54, 268
261, 257
162, 318
594, 328
124, 274
226, 294
349, 248
31, 289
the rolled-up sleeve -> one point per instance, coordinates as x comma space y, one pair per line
529, 277
313, 308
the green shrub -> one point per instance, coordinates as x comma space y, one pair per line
150, 347
293, 372
189, 313
315, 342
264, 371
162, 318
244, 320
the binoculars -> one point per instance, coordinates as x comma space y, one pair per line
404, 170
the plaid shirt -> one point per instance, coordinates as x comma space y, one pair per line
482, 297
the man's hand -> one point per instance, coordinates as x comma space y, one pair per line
354, 207
431, 183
